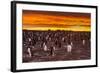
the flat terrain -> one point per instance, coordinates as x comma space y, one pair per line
41, 46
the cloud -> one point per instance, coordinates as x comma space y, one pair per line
55, 21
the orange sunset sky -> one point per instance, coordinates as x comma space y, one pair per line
49, 20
